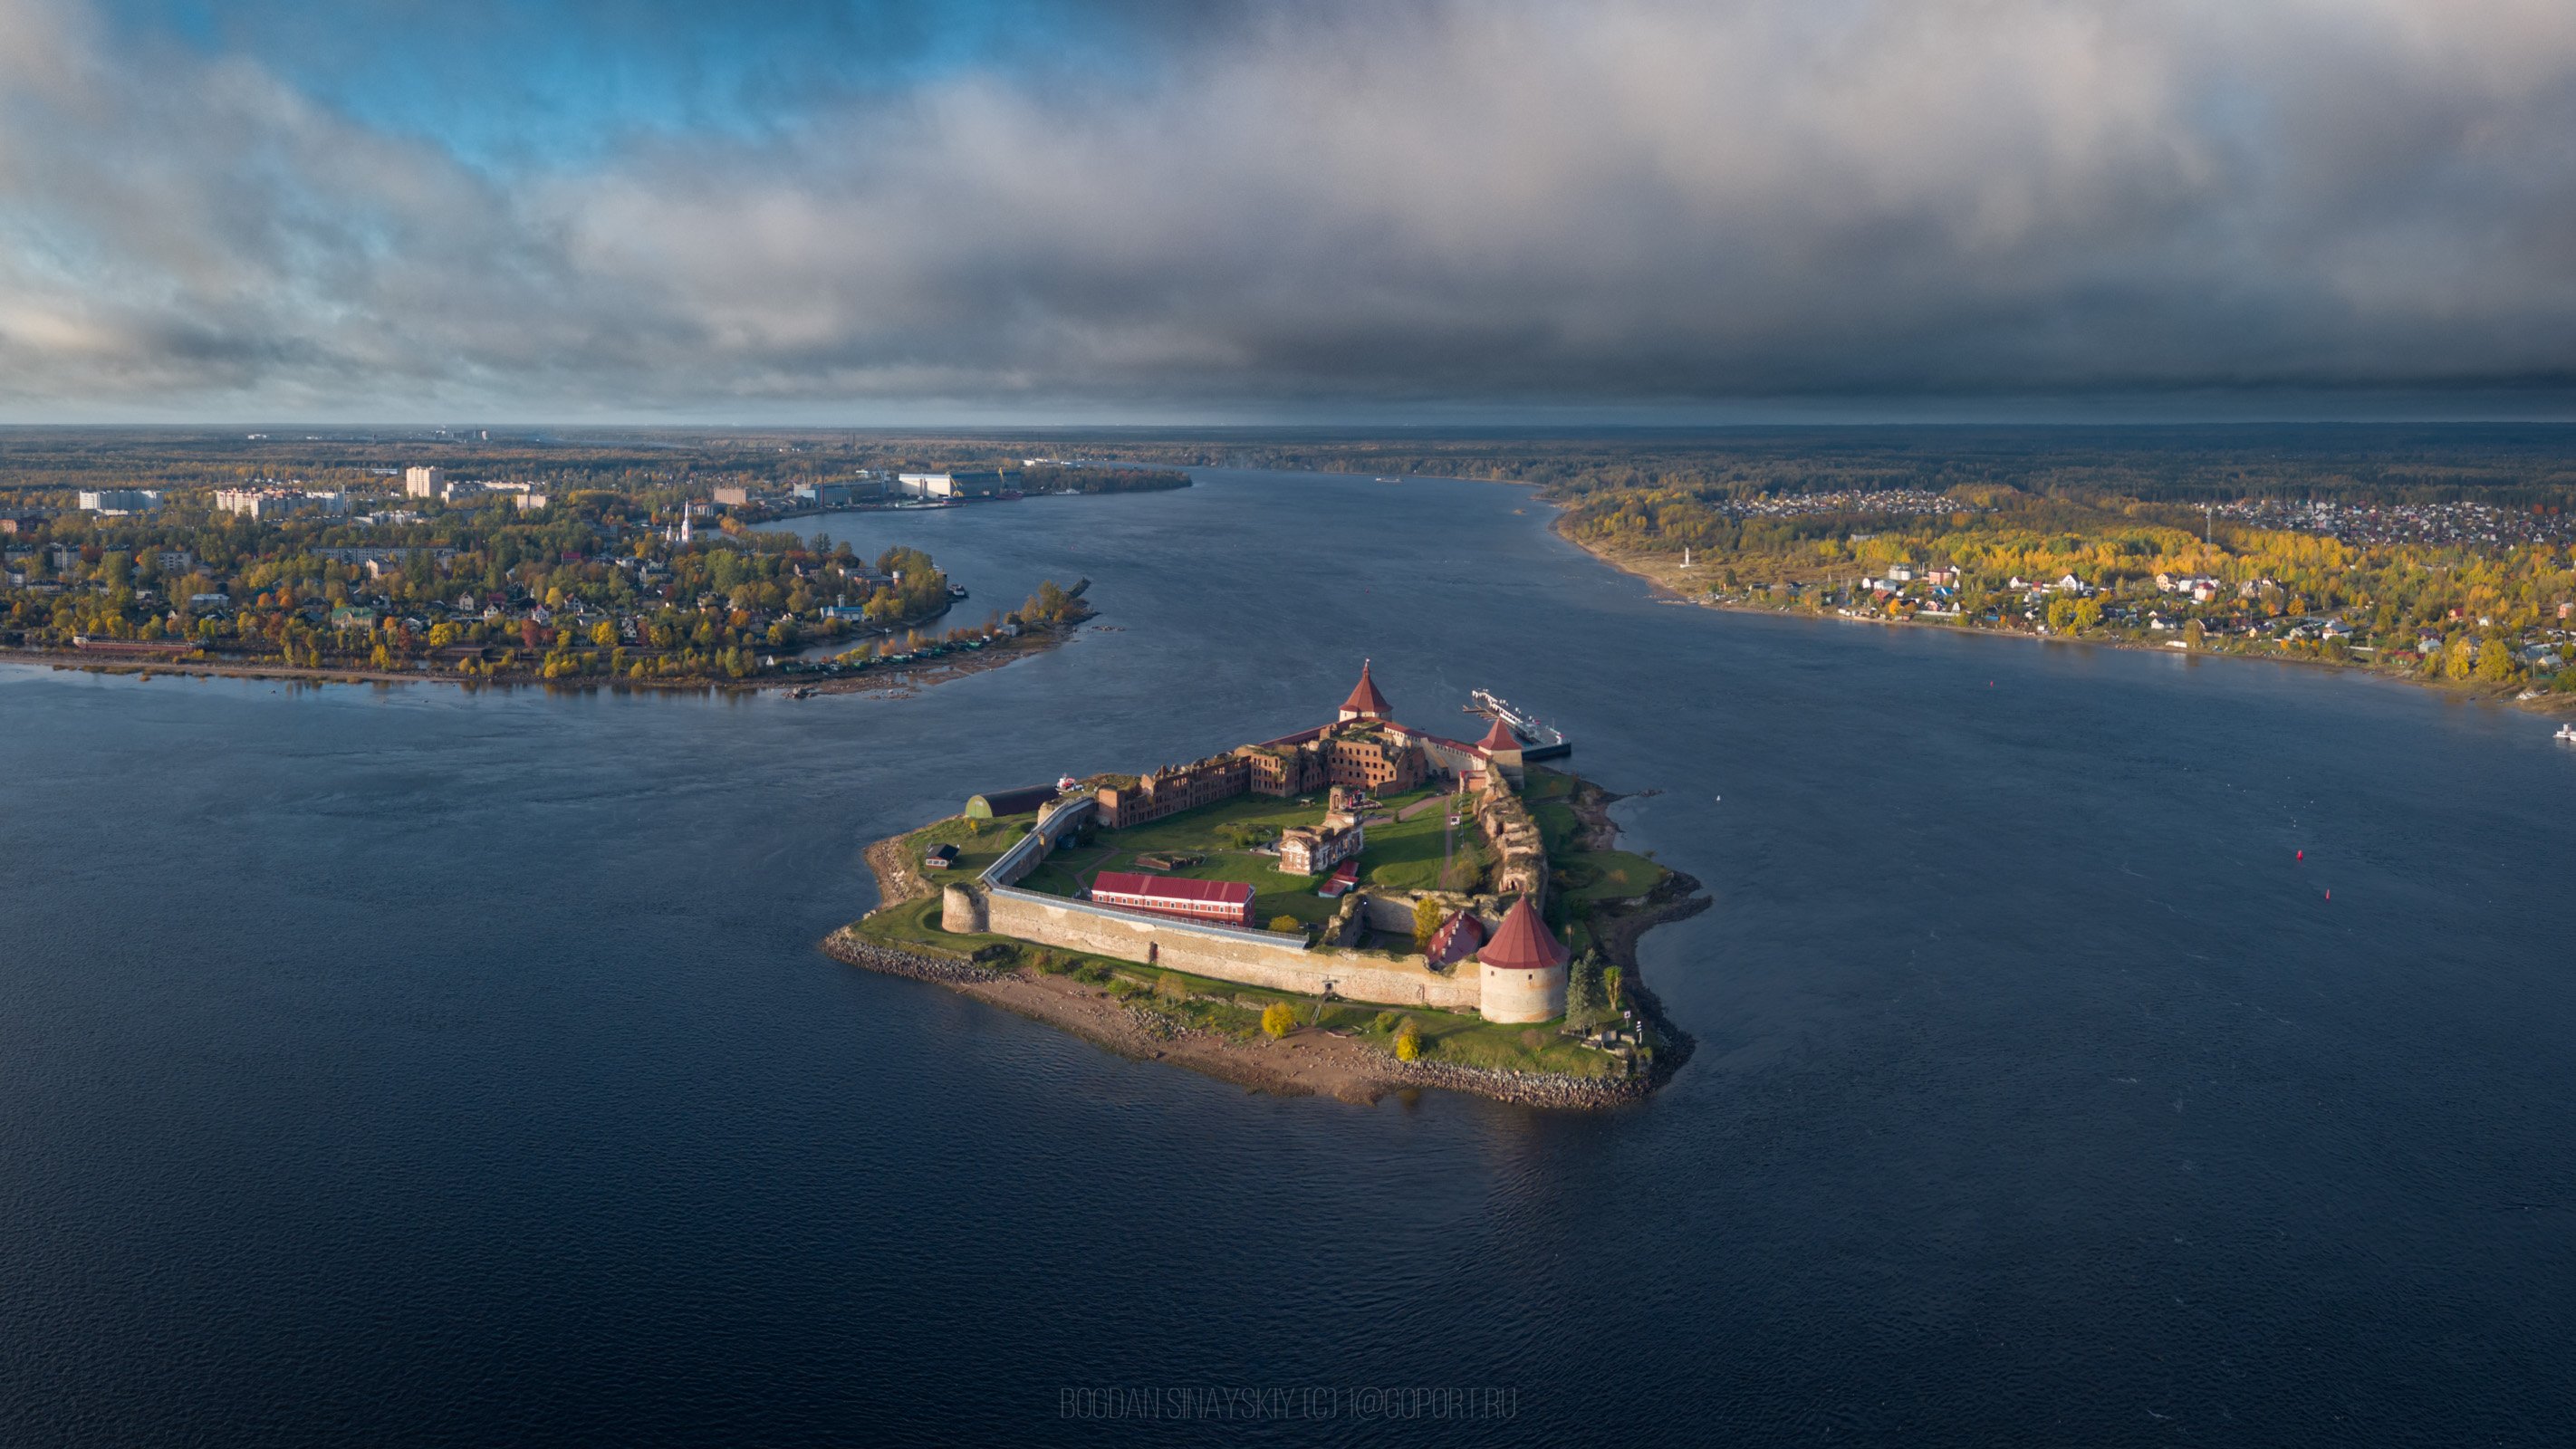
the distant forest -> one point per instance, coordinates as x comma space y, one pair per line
2503, 465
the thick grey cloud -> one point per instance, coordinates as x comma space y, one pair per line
1499, 202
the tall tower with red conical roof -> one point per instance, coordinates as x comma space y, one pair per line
1365, 702
1522, 969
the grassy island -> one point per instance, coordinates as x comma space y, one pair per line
1603, 898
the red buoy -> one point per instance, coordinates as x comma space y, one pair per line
2303, 855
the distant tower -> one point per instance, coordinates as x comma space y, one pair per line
1365, 702
1502, 751
685, 511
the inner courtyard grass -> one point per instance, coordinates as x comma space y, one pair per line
1400, 854
976, 849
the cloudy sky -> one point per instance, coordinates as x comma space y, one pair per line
1490, 209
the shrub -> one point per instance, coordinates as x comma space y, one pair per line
1171, 987
1385, 1022
1532, 1039
1277, 1019
1285, 922
1408, 1042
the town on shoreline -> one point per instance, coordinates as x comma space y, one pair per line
1358, 908
490, 582
2428, 595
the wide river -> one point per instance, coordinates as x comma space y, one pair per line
412, 1066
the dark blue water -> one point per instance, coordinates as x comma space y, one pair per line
409, 1066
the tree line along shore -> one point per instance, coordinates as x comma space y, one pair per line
599, 585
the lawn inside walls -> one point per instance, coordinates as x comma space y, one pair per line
1401, 853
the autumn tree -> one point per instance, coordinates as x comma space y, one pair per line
1427, 916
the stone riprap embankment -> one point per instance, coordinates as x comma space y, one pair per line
1525, 1088
845, 945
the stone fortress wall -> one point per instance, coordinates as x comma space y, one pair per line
995, 902
1255, 958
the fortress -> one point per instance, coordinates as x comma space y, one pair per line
1518, 975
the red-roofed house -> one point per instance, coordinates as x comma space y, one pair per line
1457, 938
1218, 902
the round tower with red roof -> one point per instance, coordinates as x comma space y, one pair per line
1522, 969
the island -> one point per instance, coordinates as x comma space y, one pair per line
1359, 908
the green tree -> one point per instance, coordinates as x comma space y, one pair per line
1586, 1002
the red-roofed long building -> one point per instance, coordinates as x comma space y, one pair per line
1217, 902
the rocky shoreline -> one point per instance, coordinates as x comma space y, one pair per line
1618, 929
